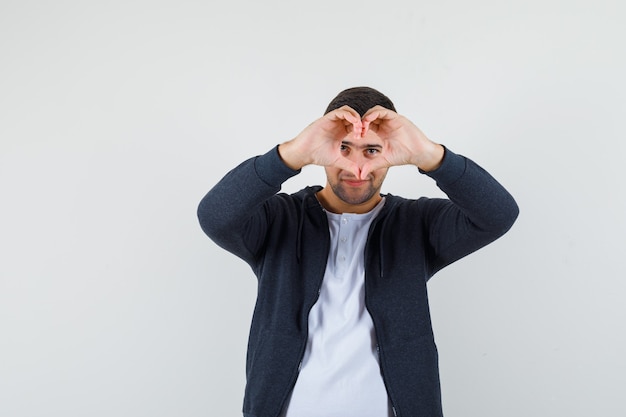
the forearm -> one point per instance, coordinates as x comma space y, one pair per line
292, 156
430, 159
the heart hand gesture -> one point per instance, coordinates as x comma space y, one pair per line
320, 142
401, 141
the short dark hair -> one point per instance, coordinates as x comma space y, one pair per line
360, 99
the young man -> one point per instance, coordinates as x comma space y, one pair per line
341, 325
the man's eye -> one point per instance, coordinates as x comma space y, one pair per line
372, 151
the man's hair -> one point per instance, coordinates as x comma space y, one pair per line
360, 99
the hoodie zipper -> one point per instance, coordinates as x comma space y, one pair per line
379, 351
306, 338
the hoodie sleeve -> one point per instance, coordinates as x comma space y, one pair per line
232, 213
479, 210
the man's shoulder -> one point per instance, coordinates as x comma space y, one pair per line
307, 192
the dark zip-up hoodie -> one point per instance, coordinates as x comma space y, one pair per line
285, 240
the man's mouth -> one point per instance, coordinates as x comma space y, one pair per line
353, 182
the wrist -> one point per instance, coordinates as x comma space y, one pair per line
290, 156
431, 159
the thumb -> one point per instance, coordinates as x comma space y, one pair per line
347, 165
373, 165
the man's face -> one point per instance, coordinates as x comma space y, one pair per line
345, 186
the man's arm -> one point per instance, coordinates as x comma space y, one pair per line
479, 209
404, 143
320, 143
231, 212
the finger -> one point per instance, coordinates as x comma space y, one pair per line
382, 111
346, 113
367, 126
378, 113
374, 116
358, 130
351, 116
347, 165
355, 130
371, 166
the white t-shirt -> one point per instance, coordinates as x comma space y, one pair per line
340, 374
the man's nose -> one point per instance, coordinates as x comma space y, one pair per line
357, 157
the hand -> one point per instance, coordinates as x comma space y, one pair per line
320, 142
403, 142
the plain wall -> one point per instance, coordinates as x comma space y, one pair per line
116, 117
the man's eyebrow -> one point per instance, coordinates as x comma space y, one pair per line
361, 146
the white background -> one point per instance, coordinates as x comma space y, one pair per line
117, 116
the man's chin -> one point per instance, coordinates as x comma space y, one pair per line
355, 198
